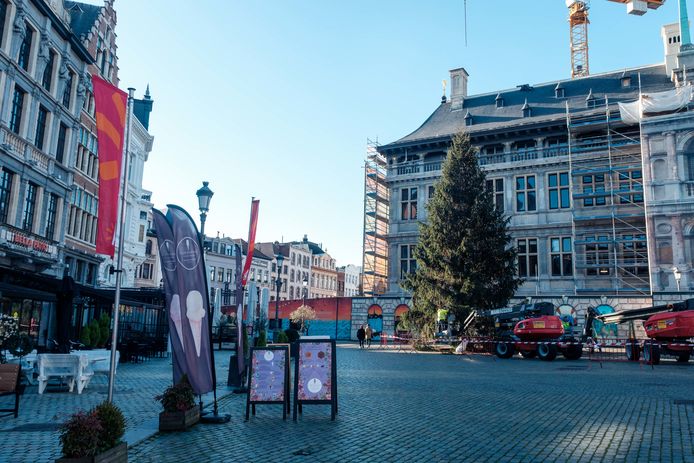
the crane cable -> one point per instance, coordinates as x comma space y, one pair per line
465, 15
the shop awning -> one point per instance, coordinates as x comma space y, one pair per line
20, 292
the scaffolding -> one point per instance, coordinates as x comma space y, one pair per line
376, 198
608, 212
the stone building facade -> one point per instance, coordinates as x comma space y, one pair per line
42, 62
600, 209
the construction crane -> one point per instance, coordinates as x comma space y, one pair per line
578, 28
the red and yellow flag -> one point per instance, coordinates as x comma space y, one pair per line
111, 104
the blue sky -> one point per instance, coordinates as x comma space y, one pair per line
275, 99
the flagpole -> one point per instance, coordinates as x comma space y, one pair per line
121, 238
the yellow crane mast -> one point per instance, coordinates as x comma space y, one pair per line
578, 28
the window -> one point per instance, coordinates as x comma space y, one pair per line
148, 248
559, 92
47, 78
525, 193
229, 276
17, 107
67, 91
41, 127
597, 255
220, 275
212, 273
29, 207
593, 184
635, 254
5, 193
496, 188
408, 263
291, 276
51, 214
430, 191
527, 257
558, 187
3, 18
25, 49
62, 140
146, 271
630, 187
499, 101
291, 293
408, 203
141, 234
252, 277
561, 256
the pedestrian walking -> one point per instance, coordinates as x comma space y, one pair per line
361, 334
369, 333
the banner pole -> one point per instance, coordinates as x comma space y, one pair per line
121, 239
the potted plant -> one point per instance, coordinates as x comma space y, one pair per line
94, 436
180, 411
104, 329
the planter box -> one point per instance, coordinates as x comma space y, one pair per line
118, 454
178, 421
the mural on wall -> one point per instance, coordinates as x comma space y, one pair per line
604, 330
399, 312
375, 319
569, 317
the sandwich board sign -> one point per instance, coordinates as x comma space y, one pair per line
315, 375
268, 378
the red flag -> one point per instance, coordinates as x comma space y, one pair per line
111, 104
251, 240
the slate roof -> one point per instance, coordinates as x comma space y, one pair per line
315, 248
545, 106
258, 250
82, 17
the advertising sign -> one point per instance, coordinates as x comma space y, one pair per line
315, 378
268, 378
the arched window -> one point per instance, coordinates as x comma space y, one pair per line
689, 156
148, 248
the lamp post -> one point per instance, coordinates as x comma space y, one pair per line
678, 277
278, 285
204, 195
305, 283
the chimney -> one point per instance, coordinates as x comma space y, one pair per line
458, 88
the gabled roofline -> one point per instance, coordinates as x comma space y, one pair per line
64, 31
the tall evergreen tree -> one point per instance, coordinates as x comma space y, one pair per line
464, 256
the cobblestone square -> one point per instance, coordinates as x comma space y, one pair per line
400, 407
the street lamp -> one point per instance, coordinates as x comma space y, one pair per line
678, 277
305, 283
204, 195
278, 285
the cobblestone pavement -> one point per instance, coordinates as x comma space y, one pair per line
33, 436
397, 407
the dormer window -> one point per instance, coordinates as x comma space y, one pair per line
559, 91
499, 101
590, 99
527, 111
468, 119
